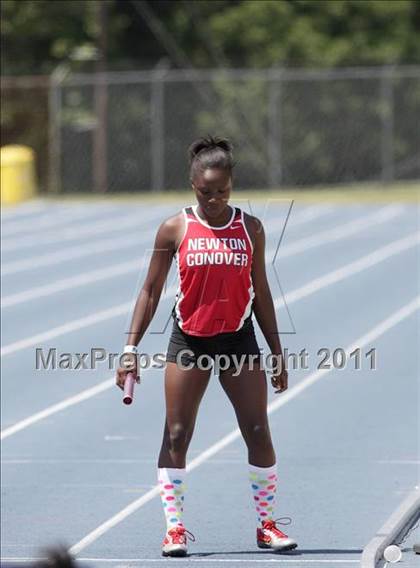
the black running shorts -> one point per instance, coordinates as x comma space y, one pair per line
237, 344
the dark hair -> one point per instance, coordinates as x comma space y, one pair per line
210, 152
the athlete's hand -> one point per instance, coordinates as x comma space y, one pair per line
129, 362
279, 380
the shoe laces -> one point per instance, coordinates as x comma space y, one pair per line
270, 525
180, 534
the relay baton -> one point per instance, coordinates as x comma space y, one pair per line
129, 388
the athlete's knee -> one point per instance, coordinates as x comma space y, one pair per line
258, 435
179, 436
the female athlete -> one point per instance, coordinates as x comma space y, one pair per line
219, 251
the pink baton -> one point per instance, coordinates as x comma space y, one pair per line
129, 388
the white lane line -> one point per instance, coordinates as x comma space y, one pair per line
66, 403
376, 332
111, 225
367, 261
354, 267
189, 560
25, 461
132, 265
68, 327
151, 460
311, 213
373, 334
19, 210
342, 231
318, 239
114, 270
301, 217
70, 253
52, 218
336, 275
112, 244
288, 560
306, 290
399, 462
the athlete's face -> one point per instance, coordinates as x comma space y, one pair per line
212, 188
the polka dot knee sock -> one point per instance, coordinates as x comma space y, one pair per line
171, 482
263, 483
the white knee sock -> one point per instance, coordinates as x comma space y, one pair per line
172, 488
263, 483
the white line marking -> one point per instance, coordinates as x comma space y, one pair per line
112, 225
399, 462
310, 213
235, 560
365, 262
25, 461
19, 210
328, 279
53, 218
187, 560
66, 403
343, 272
311, 287
116, 243
376, 332
70, 253
115, 270
301, 217
132, 265
150, 460
340, 232
68, 327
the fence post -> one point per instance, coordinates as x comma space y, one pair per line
54, 129
157, 126
387, 138
274, 150
100, 101
100, 134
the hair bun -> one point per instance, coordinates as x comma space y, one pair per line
209, 143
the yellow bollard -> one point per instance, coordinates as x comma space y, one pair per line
18, 180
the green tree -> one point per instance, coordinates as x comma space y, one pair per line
318, 32
39, 34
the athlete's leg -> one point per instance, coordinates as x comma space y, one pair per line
184, 390
248, 395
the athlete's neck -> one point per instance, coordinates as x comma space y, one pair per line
218, 221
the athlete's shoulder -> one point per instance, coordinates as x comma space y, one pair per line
253, 225
169, 229
173, 221
253, 221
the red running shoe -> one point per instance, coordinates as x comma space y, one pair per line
175, 542
269, 536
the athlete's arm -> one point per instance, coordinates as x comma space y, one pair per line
263, 305
149, 296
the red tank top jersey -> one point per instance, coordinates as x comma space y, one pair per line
215, 290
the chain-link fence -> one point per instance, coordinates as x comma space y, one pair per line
25, 117
129, 131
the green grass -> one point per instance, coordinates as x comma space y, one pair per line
358, 193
